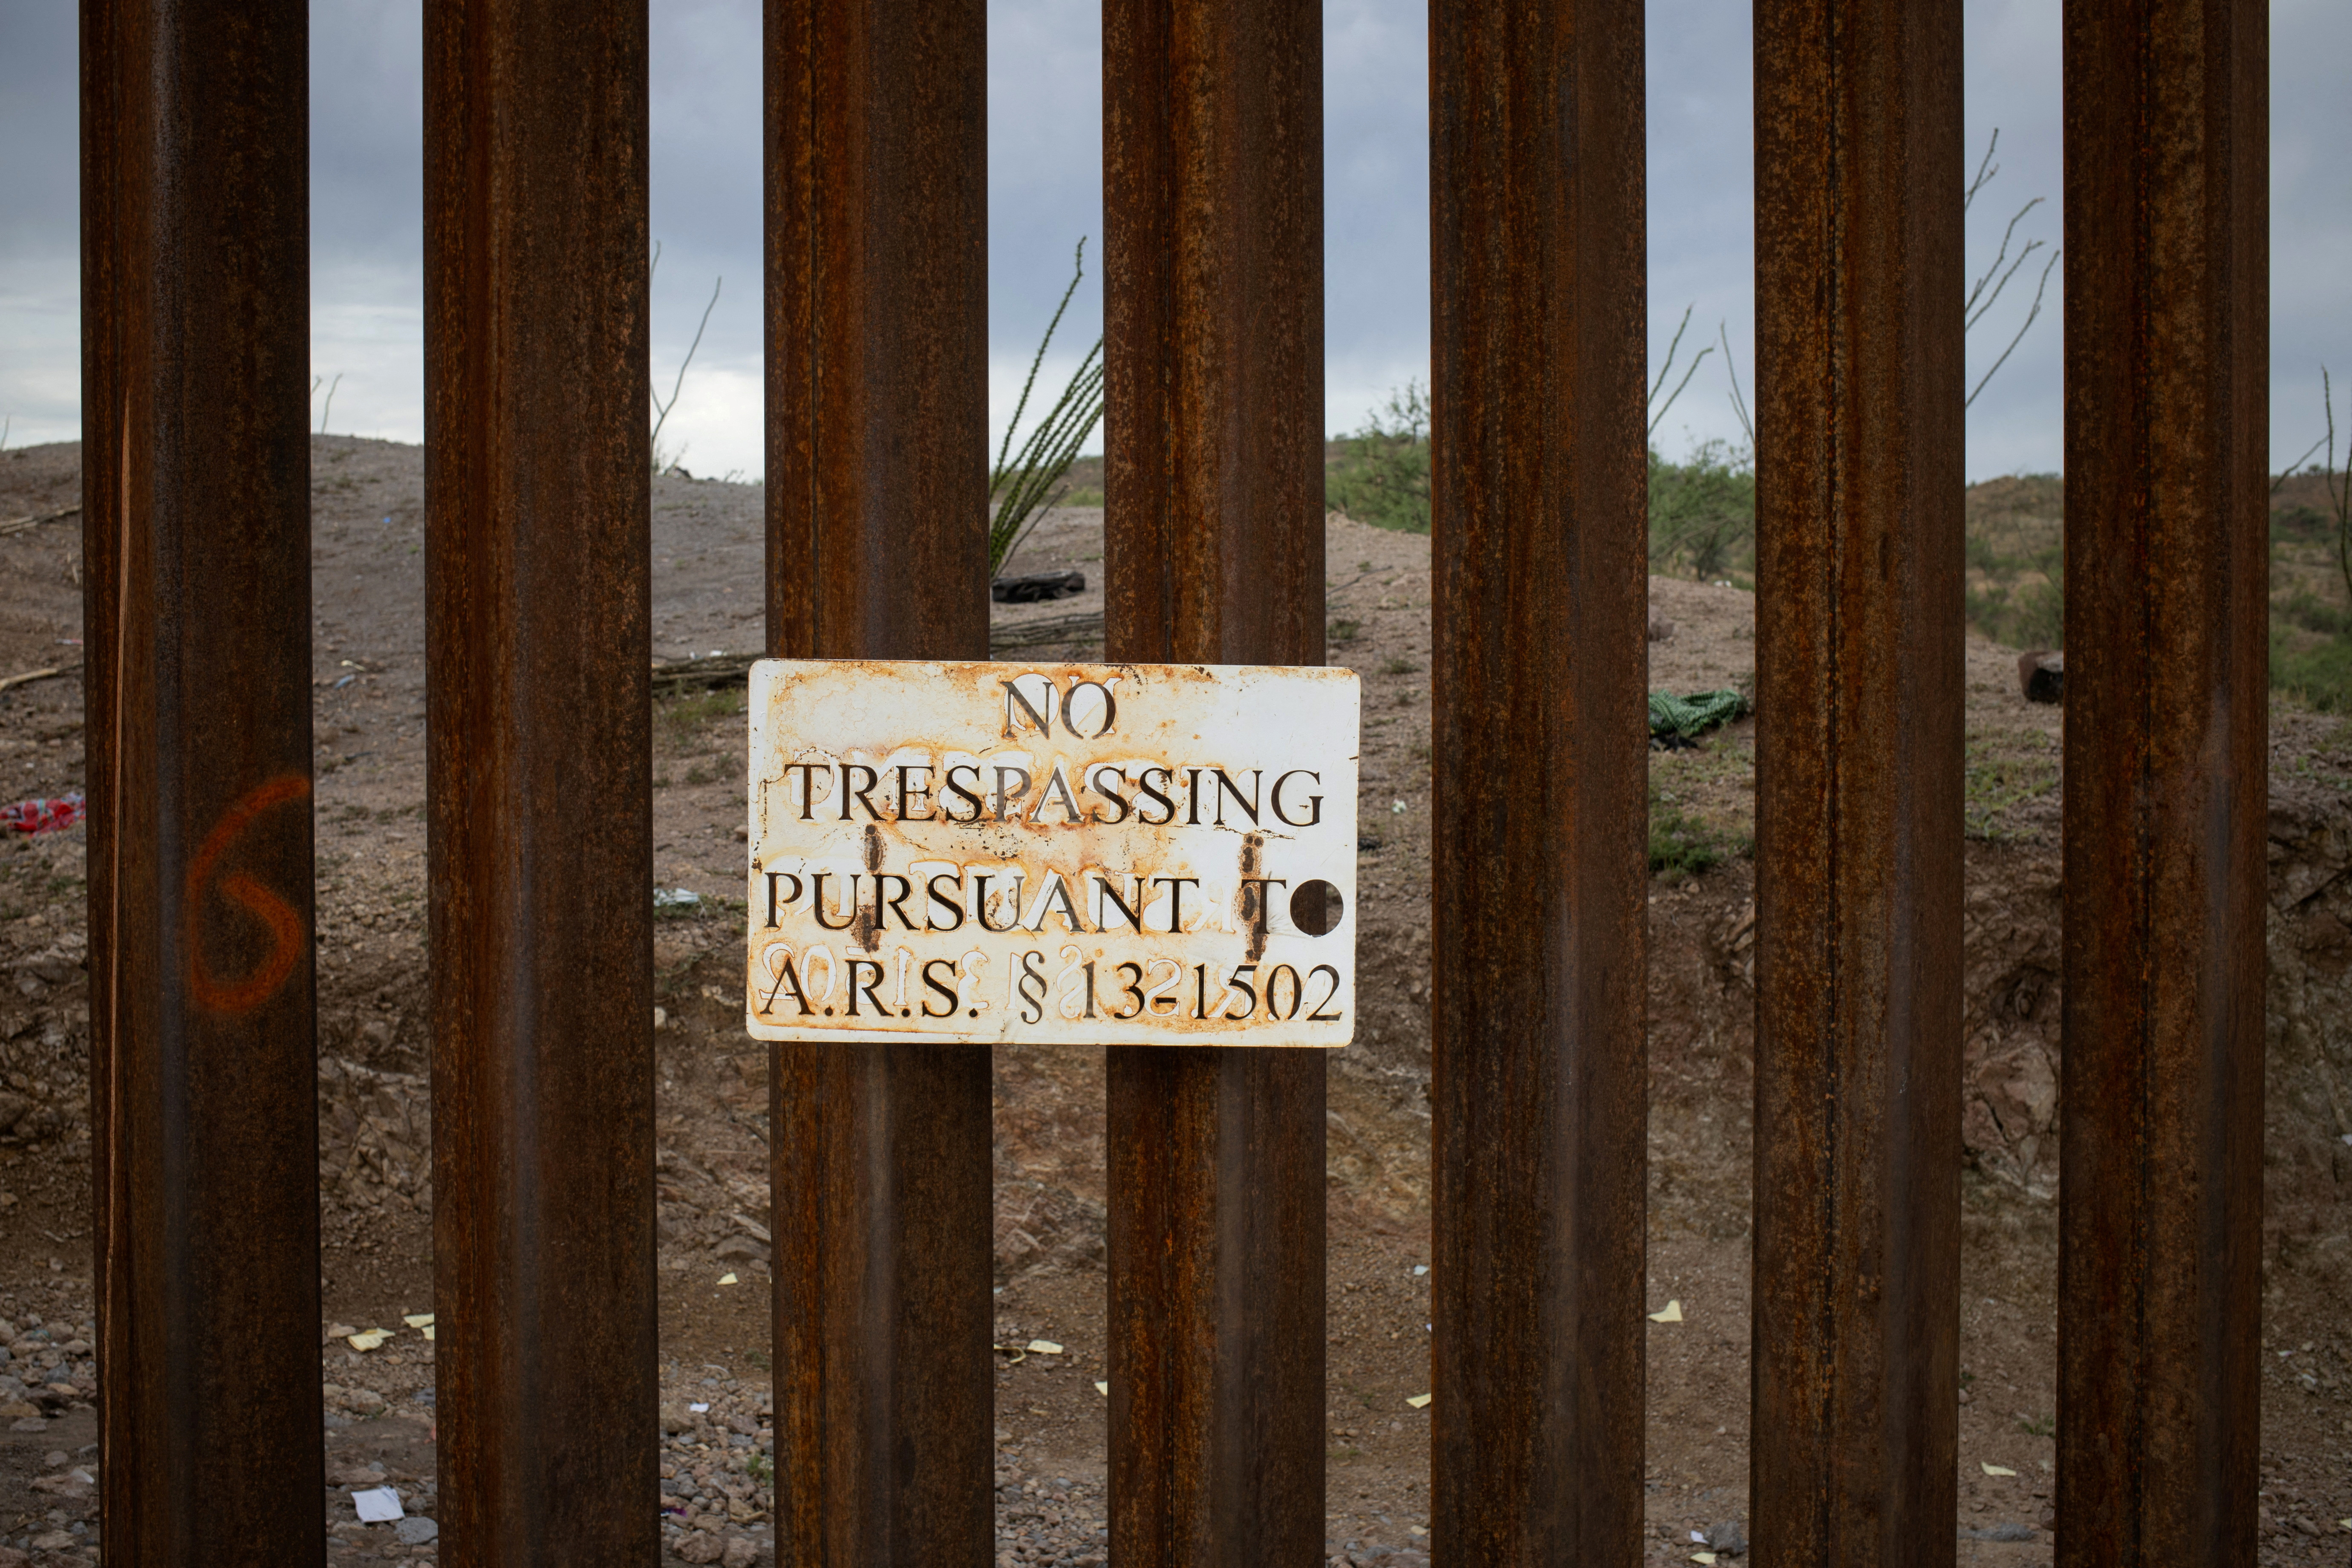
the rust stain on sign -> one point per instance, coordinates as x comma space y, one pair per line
1117, 853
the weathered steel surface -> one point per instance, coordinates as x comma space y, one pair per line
196, 220
1859, 684
1213, 165
1539, 863
538, 501
878, 458
1125, 854
2167, 334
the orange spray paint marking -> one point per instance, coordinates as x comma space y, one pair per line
285, 922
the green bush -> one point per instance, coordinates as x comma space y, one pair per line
1682, 845
1380, 475
2319, 674
2033, 615
1703, 512
2304, 610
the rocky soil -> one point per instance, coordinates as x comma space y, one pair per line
374, 1055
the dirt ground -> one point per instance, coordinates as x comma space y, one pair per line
375, 1169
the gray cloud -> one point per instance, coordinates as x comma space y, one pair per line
1044, 165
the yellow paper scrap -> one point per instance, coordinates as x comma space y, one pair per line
727, 1279
427, 1331
369, 1340
1672, 1312
1418, 1401
418, 1320
1996, 1469
1044, 1347
1103, 1389
1702, 1556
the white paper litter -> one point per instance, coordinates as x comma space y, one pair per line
1672, 1312
377, 1505
697, 1409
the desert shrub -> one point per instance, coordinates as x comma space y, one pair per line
2027, 614
1380, 475
1682, 845
2320, 672
1703, 512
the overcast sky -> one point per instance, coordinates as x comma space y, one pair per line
1044, 171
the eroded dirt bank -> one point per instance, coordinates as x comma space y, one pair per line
376, 1195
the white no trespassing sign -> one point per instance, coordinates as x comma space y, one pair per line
1110, 854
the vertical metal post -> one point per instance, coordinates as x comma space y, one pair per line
538, 501
2167, 335
1213, 165
1859, 689
877, 529
195, 225
1539, 489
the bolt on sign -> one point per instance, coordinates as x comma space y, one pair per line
1114, 854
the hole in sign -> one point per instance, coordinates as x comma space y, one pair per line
1316, 908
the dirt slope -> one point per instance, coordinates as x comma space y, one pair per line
368, 655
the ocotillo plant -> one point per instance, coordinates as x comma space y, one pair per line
1023, 485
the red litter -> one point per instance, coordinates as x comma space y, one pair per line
42, 816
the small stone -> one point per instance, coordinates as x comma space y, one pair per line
1729, 1538
54, 1541
28, 1424
417, 1530
700, 1547
740, 1553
